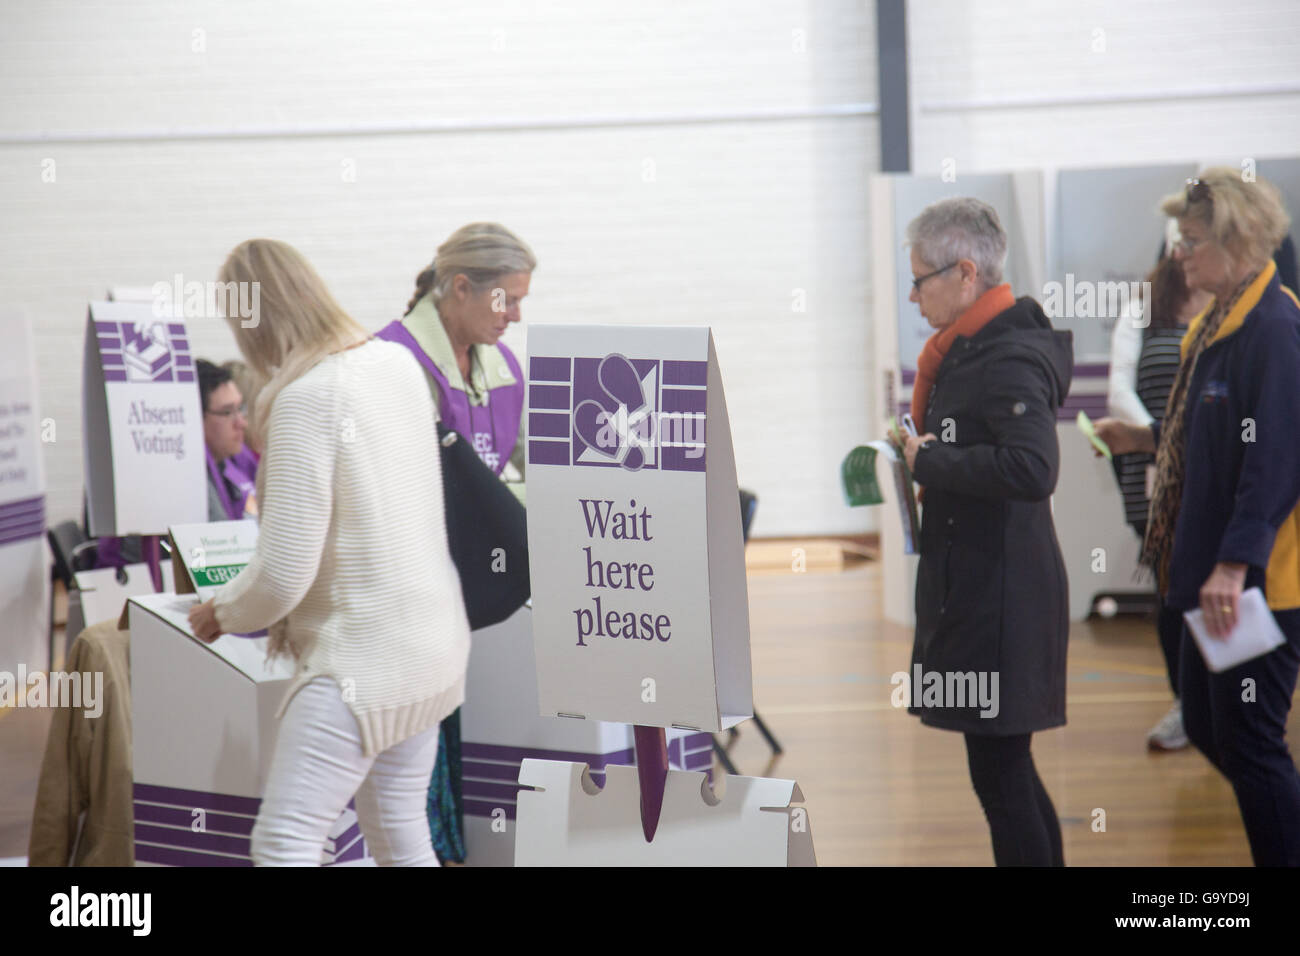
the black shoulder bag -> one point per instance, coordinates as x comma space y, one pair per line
487, 533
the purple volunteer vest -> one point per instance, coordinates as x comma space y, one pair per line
241, 470
492, 430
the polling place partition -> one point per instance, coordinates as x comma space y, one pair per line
1107, 233
203, 718
501, 727
101, 592
1284, 173
24, 566
1106, 228
640, 605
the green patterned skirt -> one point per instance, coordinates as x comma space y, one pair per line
445, 804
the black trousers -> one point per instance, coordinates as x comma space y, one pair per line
1238, 720
1169, 626
1021, 817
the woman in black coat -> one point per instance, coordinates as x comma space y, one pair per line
991, 592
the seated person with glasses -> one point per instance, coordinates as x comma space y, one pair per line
232, 465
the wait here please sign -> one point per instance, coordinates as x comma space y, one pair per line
640, 610
603, 523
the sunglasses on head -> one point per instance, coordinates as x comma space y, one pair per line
1198, 191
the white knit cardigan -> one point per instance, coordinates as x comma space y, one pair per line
352, 545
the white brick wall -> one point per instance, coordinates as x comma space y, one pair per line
1118, 82
738, 215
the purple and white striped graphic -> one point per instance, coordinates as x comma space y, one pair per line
165, 835
21, 520
617, 412
490, 772
144, 351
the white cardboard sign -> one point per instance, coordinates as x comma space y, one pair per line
501, 727
569, 821
640, 606
142, 422
24, 573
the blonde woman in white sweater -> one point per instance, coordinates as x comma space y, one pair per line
350, 484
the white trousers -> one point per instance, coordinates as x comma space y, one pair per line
318, 765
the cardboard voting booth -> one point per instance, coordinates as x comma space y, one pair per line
572, 821
101, 593
501, 727
142, 423
640, 605
1113, 241
24, 571
204, 725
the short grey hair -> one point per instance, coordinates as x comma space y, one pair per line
962, 228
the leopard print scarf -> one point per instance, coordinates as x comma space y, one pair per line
1167, 496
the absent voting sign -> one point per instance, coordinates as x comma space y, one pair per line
640, 609
143, 423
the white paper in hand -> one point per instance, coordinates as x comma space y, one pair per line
1256, 634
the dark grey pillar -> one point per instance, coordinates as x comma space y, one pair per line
891, 60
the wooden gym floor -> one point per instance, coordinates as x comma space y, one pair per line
881, 789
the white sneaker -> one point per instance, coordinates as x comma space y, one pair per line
1168, 734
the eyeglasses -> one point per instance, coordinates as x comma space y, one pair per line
1189, 246
1198, 191
916, 283
241, 411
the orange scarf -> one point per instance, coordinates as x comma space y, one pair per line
982, 311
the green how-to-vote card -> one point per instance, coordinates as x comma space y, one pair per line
206, 556
859, 476
862, 488
1085, 426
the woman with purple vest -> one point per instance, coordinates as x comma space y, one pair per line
463, 303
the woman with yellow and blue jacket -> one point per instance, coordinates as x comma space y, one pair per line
1224, 514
